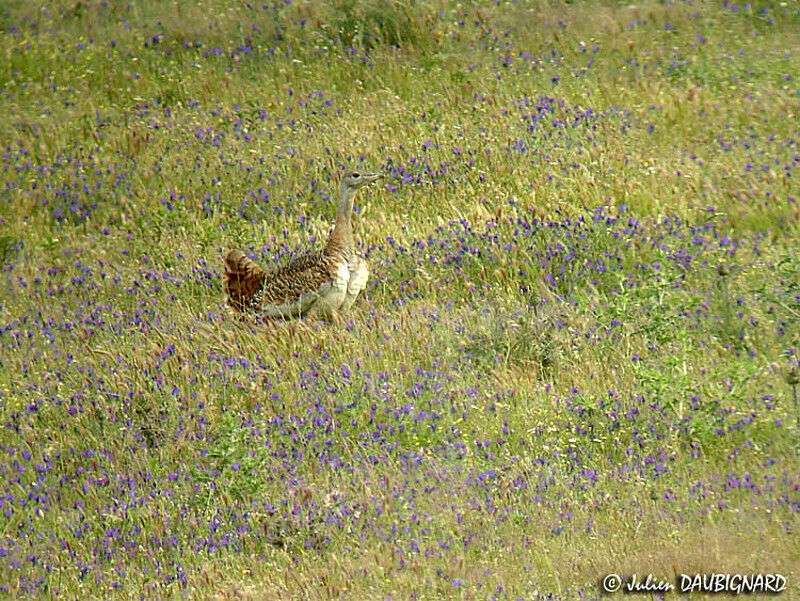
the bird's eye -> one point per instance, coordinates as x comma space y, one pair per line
355, 175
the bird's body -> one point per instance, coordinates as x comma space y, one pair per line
326, 282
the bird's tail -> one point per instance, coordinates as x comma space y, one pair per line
243, 280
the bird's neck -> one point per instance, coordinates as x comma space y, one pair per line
342, 237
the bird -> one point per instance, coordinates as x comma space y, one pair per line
325, 283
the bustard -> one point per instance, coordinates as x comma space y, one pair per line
326, 282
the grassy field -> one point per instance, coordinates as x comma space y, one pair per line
577, 353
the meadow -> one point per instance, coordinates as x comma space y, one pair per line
577, 353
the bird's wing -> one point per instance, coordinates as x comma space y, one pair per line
302, 276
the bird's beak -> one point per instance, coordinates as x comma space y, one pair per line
368, 178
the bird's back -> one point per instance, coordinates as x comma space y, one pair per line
290, 290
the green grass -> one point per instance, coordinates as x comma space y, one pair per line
576, 354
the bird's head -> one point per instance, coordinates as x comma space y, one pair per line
354, 180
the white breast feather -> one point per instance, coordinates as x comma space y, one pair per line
359, 274
333, 292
